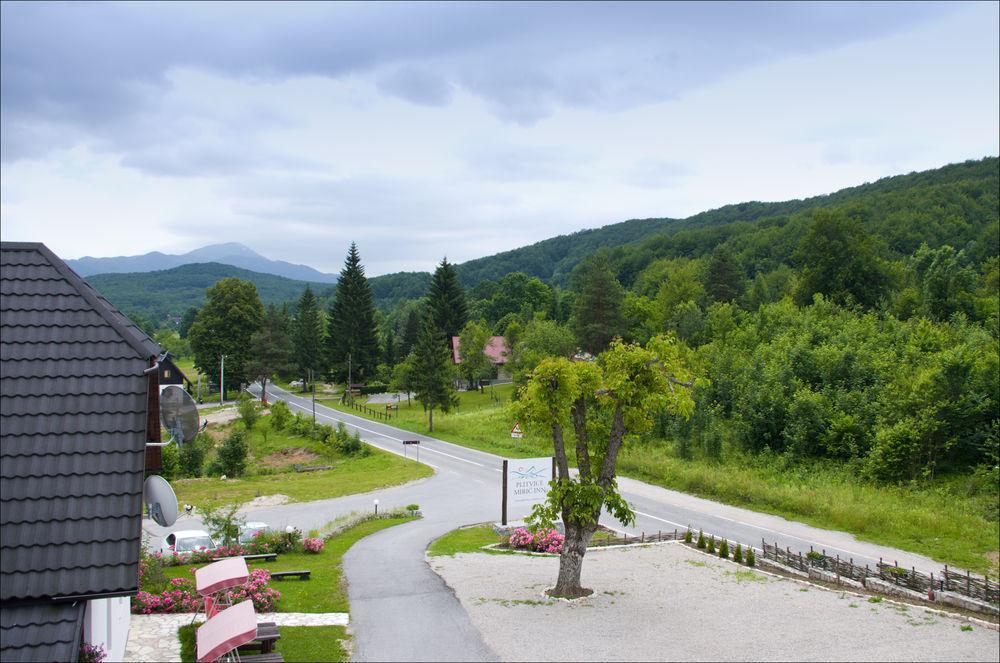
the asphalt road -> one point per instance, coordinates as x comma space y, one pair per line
401, 610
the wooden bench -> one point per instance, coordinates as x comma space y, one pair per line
267, 636
263, 557
281, 575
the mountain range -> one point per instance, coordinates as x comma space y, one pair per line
158, 284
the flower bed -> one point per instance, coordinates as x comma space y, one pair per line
180, 596
544, 540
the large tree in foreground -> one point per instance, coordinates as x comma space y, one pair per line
352, 338
604, 404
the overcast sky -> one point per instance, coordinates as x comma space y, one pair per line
462, 130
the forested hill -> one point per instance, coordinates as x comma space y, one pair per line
156, 295
552, 260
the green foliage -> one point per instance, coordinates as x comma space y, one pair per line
412, 507
170, 459
192, 456
232, 455
702, 544
738, 554
281, 415
232, 314
475, 364
711, 544
751, 557
271, 347
347, 443
222, 523
432, 371
839, 259
539, 339
352, 333
724, 280
248, 409
724, 549
446, 301
687, 536
597, 311
308, 336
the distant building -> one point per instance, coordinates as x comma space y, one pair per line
76, 411
496, 349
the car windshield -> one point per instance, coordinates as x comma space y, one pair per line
247, 535
193, 543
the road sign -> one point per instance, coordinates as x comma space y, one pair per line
411, 441
407, 443
516, 430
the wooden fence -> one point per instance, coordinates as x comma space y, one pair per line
385, 416
625, 539
981, 588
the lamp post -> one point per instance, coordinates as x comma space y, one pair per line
376, 506
290, 534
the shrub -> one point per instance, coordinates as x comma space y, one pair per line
738, 554
412, 507
520, 538
751, 558
223, 524
170, 462
711, 544
232, 457
687, 536
281, 415
180, 595
549, 541
257, 588
313, 545
724, 549
192, 457
151, 575
701, 540
248, 409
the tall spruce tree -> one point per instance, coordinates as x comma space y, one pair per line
597, 309
410, 332
724, 282
308, 336
270, 349
432, 371
446, 301
351, 332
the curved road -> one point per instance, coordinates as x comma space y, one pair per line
401, 610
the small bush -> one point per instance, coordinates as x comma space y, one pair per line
281, 415
170, 462
724, 549
751, 558
223, 524
232, 456
738, 554
313, 545
549, 541
192, 457
92, 653
687, 536
413, 507
701, 540
248, 409
711, 544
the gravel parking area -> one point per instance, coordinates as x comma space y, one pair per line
668, 602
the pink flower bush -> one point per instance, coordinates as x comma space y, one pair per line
92, 653
313, 545
256, 588
521, 538
545, 540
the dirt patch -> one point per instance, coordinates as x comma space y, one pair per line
266, 500
292, 456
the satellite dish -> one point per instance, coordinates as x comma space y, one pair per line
160, 500
178, 413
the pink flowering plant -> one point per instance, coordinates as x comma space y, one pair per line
179, 596
92, 653
257, 588
521, 539
544, 540
313, 545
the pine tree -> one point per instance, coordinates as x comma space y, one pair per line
701, 539
270, 349
738, 555
724, 282
687, 536
432, 371
308, 336
711, 544
597, 309
446, 301
351, 330
724, 549
389, 349
410, 332
751, 557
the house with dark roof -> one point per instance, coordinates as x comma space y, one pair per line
78, 403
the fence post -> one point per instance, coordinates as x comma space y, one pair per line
968, 584
642, 539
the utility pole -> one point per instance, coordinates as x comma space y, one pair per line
222, 380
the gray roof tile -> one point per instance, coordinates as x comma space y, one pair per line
72, 445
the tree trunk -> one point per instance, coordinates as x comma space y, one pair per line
430, 420
571, 563
263, 391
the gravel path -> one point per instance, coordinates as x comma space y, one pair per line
668, 602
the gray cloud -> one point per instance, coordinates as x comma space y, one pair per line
657, 174
75, 72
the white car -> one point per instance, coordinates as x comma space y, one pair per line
249, 530
186, 541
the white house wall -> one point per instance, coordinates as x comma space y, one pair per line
106, 623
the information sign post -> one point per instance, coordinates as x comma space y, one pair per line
525, 482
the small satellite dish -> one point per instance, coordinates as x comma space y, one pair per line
178, 413
160, 500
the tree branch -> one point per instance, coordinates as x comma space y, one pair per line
614, 446
579, 414
560, 448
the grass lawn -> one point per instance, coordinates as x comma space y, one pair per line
325, 590
297, 643
940, 521
462, 540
